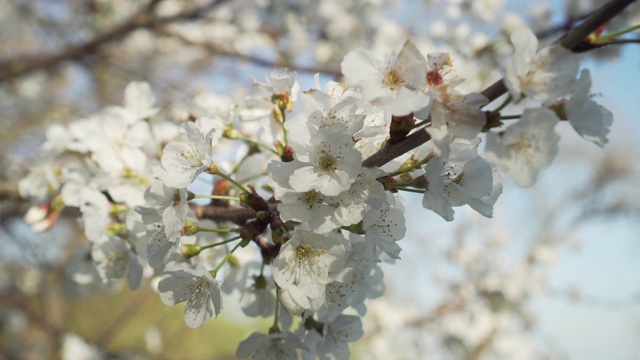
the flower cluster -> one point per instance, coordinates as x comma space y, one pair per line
294, 222
547, 75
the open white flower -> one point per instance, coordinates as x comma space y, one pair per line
544, 75
307, 263
526, 146
139, 99
259, 299
96, 218
328, 165
309, 206
332, 343
453, 183
590, 120
384, 227
365, 193
296, 304
114, 261
396, 85
198, 288
188, 157
461, 113
163, 222
461, 178
320, 110
117, 140
281, 85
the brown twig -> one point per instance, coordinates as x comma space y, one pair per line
10, 68
237, 215
570, 40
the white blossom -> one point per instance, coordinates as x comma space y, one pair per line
116, 145
309, 206
384, 227
114, 260
526, 146
544, 75
462, 178
259, 299
188, 157
306, 263
462, 113
332, 342
198, 288
365, 193
95, 209
329, 164
139, 99
320, 110
590, 120
395, 84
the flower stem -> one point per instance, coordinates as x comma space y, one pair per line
624, 41
510, 117
602, 39
412, 190
275, 329
226, 258
217, 197
220, 243
257, 143
412, 167
407, 186
284, 130
219, 231
231, 180
286, 231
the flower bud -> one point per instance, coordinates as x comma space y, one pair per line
117, 229
190, 250
263, 216
213, 169
190, 228
253, 200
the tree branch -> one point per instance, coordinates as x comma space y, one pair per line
214, 50
570, 40
237, 215
10, 68
15, 67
